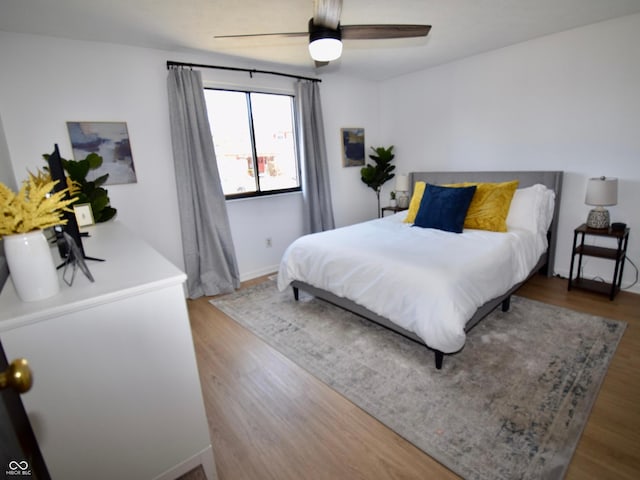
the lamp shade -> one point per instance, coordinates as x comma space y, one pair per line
402, 183
325, 49
602, 191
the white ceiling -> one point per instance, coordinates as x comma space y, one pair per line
460, 28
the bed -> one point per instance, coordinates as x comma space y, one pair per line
432, 284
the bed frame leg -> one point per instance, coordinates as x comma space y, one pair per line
296, 293
506, 304
439, 359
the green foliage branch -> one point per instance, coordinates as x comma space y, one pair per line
381, 171
89, 191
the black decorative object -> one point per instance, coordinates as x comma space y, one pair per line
74, 259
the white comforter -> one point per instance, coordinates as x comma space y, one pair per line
427, 281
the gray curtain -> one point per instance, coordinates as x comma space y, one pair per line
209, 255
315, 170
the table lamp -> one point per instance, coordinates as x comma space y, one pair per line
402, 187
601, 192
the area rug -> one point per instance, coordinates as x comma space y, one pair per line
511, 404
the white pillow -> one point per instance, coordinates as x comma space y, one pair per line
532, 209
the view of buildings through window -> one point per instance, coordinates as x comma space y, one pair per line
253, 136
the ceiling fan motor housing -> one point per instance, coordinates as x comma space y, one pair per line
317, 32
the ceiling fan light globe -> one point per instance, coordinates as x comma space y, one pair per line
325, 49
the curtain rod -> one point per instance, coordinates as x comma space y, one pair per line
251, 71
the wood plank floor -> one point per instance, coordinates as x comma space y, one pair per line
270, 419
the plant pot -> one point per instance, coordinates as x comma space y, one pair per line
31, 266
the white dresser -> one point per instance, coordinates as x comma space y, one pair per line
116, 391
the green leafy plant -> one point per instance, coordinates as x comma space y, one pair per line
89, 191
377, 174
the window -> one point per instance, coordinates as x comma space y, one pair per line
254, 139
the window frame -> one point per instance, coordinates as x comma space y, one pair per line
260, 193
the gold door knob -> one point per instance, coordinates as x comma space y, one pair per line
17, 376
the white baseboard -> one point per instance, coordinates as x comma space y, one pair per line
258, 273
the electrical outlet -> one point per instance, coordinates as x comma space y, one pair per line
268, 242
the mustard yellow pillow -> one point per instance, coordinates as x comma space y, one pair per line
490, 206
414, 204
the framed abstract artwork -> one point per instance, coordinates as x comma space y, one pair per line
352, 147
110, 140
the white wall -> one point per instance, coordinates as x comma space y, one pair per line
45, 82
567, 102
348, 102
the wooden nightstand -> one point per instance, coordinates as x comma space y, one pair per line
618, 255
392, 209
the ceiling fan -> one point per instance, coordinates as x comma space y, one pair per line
326, 34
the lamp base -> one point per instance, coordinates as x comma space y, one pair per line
598, 218
402, 200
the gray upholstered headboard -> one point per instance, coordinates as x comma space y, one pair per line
551, 179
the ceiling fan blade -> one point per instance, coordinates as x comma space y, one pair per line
375, 32
326, 13
251, 35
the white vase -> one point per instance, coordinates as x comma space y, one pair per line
31, 266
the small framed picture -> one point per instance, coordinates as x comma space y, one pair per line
84, 214
352, 147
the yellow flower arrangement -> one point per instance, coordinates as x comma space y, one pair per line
34, 207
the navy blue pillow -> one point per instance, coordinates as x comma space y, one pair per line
444, 208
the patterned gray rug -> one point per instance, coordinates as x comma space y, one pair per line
511, 405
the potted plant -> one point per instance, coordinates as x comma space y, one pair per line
89, 191
23, 217
392, 201
377, 174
